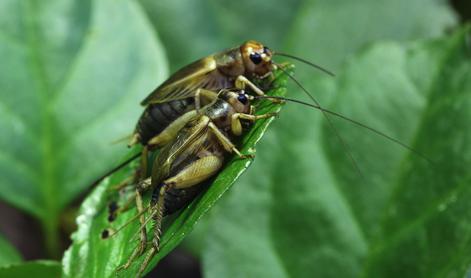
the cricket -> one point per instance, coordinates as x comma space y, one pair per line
192, 120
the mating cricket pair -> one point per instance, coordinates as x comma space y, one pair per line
193, 118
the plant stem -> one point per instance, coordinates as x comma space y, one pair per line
50, 228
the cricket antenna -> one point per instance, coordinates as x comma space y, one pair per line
326, 116
116, 168
357, 123
305, 62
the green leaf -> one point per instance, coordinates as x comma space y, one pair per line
92, 256
324, 31
339, 28
211, 26
306, 212
72, 75
9, 254
38, 269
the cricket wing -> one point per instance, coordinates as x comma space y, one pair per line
183, 83
184, 148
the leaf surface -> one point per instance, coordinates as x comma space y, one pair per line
40, 269
72, 75
306, 211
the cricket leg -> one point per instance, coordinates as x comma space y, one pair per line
132, 179
141, 188
171, 131
242, 82
236, 126
124, 183
136, 138
127, 204
226, 143
193, 174
203, 96
137, 175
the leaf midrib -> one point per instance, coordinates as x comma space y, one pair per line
47, 170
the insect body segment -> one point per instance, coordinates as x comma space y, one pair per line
196, 154
157, 117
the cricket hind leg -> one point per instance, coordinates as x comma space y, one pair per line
141, 187
192, 175
137, 176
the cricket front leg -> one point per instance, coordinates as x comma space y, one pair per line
236, 125
226, 143
242, 82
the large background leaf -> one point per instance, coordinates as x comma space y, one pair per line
86, 256
242, 234
72, 75
211, 26
321, 30
318, 217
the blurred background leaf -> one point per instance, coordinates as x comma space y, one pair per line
211, 26
72, 75
293, 173
318, 217
9, 254
320, 30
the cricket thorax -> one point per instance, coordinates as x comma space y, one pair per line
229, 63
220, 112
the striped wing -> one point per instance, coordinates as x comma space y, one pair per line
183, 83
189, 141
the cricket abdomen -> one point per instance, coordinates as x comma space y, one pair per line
175, 199
156, 117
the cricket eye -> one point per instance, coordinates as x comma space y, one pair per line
242, 98
256, 58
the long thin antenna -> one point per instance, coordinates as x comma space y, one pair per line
116, 168
306, 62
326, 116
377, 132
